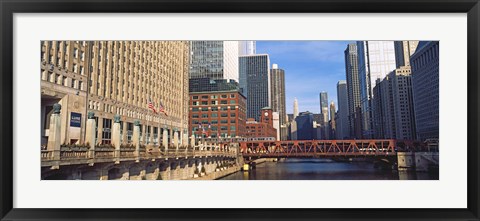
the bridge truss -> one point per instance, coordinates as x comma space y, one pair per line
325, 148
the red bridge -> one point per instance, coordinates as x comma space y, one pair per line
326, 148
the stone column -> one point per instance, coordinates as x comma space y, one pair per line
99, 130
90, 133
185, 138
116, 134
136, 137
165, 139
171, 136
175, 139
144, 134
54, 133
192, 141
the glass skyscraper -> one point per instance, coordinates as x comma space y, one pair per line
214, 59
353, 91
376, 59
255, 83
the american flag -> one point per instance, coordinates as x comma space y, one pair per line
162, 109
150, 105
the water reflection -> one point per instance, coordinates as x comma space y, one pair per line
324, 169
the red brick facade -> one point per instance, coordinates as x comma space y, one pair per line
264, 128
224, 111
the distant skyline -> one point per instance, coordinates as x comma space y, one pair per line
310, 67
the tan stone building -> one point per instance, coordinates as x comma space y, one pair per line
115, 78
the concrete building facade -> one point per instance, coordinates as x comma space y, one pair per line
109, 78
277, 76
425, 83
403, 51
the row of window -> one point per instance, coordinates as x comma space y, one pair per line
214, 115
213, 96
224, 108
205, 122
215, 128
197, 103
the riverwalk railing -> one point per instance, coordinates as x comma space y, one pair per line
72, 156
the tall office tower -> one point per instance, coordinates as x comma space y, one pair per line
109, 78
295, 109
332, 123
304, 123
403, 51
375, 60
324, 112
277, 76
324, 105
425, 75
393, 106
214, 60
383, 110
255, 83
403, 103
353, 91
343, 128
247, 48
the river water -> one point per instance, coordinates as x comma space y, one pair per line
325, 169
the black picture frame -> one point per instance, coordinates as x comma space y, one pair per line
9, 7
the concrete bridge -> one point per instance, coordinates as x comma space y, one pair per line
142, 164
135, 160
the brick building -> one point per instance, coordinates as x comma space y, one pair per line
264, 128
217, 108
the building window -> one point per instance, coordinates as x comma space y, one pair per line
214, 115
232, 127
205, 97
106, 131
232, 115
224, 96
223, 102
204, 115
194, 97
232, 102
195, 109
232, 95
224, 115
195, 116
129, 132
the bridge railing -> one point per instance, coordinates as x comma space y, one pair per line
68, 154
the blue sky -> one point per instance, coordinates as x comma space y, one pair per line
310, 67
